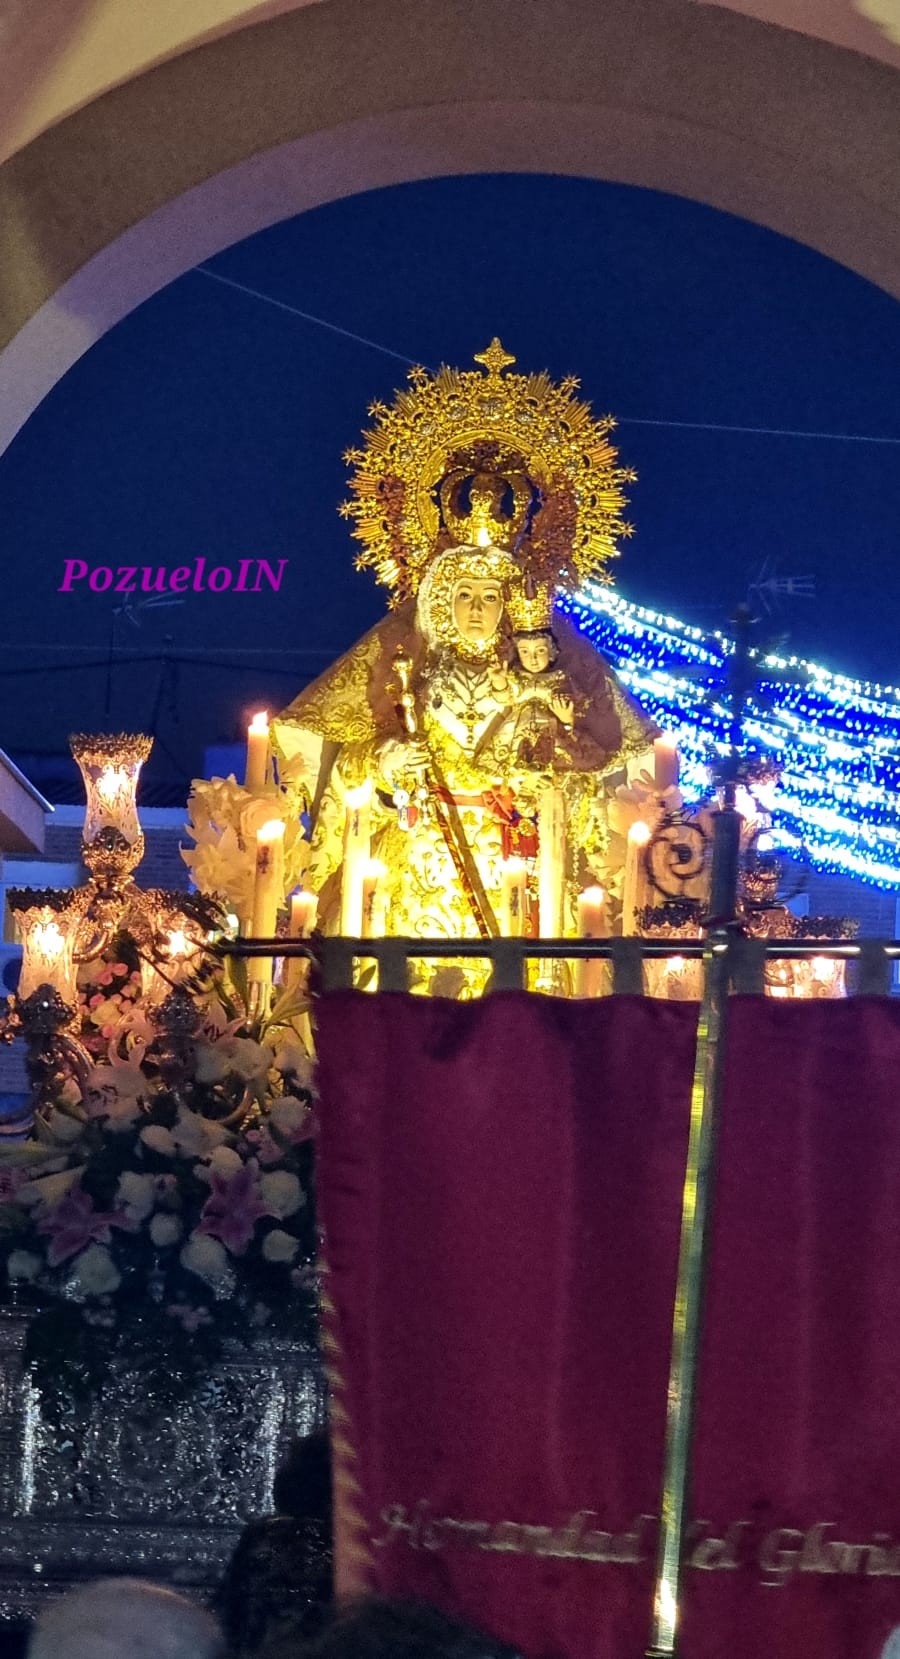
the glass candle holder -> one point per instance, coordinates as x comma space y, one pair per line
174, 956
47, 921
110, 767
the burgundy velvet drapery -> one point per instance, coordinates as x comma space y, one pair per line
500, 1185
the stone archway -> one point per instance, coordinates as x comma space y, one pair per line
119, 199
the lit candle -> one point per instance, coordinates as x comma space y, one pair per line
301, 924
303, 914
48, 934
268, 891
110, 767
356, 858
592, 924
634, 888
512, 898
374, 900
173, 963
257, 751
551, 861
665, 764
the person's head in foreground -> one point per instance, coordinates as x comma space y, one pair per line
124, 1618
302, 1484
381, 1629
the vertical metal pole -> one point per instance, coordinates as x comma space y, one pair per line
686, 1324
697, 1193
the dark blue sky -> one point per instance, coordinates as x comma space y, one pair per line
210, 423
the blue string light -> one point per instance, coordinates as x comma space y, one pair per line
836, 739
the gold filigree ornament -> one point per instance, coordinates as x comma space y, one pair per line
529, 607
488, 459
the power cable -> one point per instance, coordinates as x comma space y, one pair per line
621, 420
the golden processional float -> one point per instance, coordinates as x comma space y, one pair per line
467, 800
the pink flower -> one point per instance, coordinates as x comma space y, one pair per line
73, 1223
266, 1150
120, 970
105, 978
189, 1318
233, 1208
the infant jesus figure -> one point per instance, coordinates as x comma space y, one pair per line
545, 703
539, 731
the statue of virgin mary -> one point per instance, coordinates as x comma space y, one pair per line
459, 758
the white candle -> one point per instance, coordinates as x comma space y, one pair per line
635, 885
592, 924
592, 913
512, 898
665, 763
374, 900
551, 861
303, 914
268, 891
356, 858
257, 752
301, 924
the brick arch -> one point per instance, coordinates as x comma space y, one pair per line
127, 194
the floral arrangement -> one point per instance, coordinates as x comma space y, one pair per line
223, 820
162, 1206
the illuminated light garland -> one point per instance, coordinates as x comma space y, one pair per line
836, 739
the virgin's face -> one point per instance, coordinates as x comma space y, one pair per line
477, 607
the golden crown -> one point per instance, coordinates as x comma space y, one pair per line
529, 607
493, 458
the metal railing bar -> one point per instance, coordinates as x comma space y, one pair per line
533, 949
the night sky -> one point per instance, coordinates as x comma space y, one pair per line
210, 423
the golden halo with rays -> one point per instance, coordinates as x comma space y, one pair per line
509, 423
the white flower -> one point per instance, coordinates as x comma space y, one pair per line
278, 1246
22, 1264
195, 1136
249, 1059
209, 1260
121, 1111
289, 1115
137, 1194
164, 1230
158, 1139
212, 1063
291, 1056
225, 1161
259, 810
281, 1192
63, 1127
94, 1272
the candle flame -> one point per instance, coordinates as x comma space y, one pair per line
112, 784
260, 722
639, 832
271, 830
48, 940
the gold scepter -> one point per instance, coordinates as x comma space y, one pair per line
436, 793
